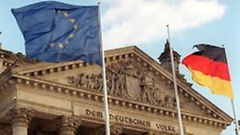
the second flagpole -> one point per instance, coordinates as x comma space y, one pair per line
175, 86
105, 96
235, 117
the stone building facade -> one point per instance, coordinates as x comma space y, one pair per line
39, 98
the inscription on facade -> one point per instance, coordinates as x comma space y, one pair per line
165, 127
131, 121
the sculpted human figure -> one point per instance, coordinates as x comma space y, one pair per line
120, 83
143, 85
167, 101
90, 83
114, 79
157, 95
83, 80
99, 84
109, 82
148, 92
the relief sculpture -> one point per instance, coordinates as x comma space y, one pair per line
124, 80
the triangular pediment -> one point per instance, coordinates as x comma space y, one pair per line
131, 75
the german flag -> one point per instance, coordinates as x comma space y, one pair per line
209, 68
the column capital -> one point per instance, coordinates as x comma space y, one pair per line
20, 116
116, 130
68, 125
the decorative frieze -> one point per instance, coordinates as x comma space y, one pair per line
126, 81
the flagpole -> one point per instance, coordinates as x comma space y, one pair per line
235, 117
175, 86
106, 111
233, 107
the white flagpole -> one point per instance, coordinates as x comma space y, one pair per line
233, 106
235, 117
175, 86
106, 111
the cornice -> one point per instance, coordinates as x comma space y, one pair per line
43, 68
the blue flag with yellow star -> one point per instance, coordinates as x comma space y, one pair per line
57, 32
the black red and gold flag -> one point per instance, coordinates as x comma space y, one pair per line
209, 68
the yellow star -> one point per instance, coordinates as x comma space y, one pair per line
65, 13
72, 20
66, 42
60, 45
52, 45
71, 35
58, 11
75, 27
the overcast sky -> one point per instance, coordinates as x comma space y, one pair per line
143, 23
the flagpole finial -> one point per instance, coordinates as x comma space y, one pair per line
168, 32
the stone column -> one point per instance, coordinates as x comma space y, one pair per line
20, 119
68, 125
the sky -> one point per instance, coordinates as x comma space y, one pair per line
143, 23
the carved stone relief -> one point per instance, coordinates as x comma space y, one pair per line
125, 80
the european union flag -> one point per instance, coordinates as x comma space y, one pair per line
56, 32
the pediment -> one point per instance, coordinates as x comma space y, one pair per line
132, 76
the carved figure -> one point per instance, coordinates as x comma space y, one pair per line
90, 81
99, 84
143, 85
157, 95
120, 83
